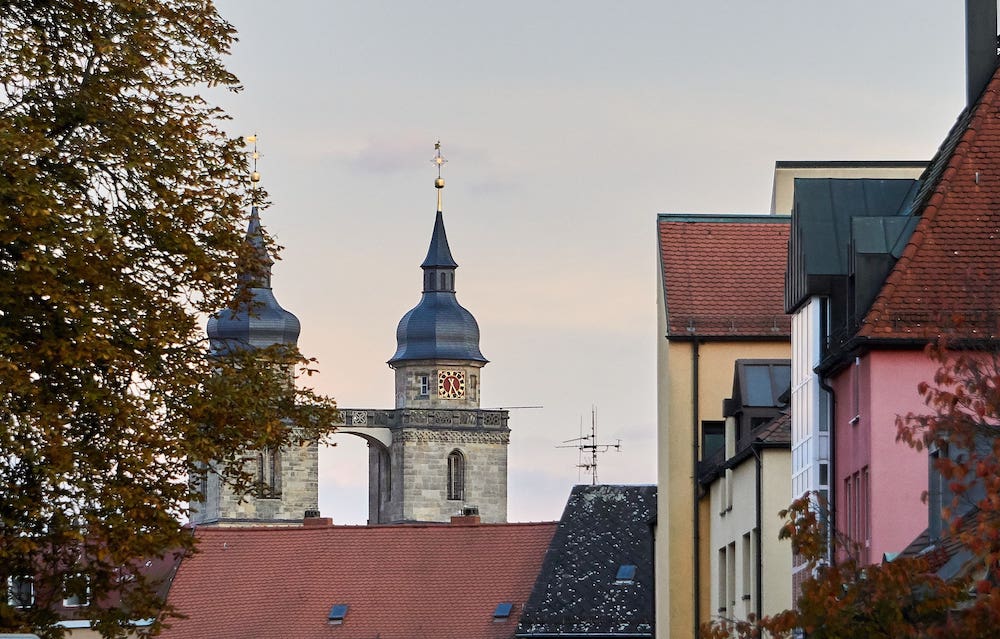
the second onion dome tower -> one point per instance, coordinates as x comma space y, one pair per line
448, 456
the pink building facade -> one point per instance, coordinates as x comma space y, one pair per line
879, 482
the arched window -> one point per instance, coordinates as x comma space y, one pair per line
456, 476
269, 472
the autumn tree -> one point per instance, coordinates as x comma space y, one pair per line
121, 226
847, 598
962, 428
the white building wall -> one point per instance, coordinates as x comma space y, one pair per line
810, 421
734, 521
736, 540
810, 410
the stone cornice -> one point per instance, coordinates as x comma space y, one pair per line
403, 418
455, 436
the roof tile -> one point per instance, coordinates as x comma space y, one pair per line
945, 279
723, 276
399, 581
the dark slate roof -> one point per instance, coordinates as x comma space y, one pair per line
258, 320
398, 582
945, 280
949, 557
576, 594
821, 238
439, 253
723, 275
777, 432
261, 276
438, 327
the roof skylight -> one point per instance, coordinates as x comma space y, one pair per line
502, 611
625, 574
337, 614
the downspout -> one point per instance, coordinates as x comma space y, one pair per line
759, 578
831, 476
695, 431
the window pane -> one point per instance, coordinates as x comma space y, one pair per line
758, 380
713, 438
782, 379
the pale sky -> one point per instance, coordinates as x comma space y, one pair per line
568, 125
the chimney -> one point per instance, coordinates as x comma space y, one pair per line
313, 520
980, 46
469, 516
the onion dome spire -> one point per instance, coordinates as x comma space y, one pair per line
257, 320
258, 275
438, 327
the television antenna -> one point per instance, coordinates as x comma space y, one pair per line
588, 447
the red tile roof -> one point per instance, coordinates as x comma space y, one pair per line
402, 581
946, 278
724, 276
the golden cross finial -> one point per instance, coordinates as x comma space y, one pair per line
254, 175
440, 161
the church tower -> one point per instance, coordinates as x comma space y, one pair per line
289, 475
447, 455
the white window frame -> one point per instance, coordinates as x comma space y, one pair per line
74, 601
14, 585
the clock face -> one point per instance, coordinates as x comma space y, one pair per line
451, 384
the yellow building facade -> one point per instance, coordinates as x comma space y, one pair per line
719, 300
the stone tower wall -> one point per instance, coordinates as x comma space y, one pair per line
424, 482
408, 384
299, 491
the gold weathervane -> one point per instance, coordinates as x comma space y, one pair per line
440, 161
254, 175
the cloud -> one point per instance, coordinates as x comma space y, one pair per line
389, 156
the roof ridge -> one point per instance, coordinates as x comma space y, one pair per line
723, 218
443, 525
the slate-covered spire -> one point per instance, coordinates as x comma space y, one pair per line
259, 275
439, 253
438, 327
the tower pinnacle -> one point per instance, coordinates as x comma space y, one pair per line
254, 175
440, 161
438, 327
